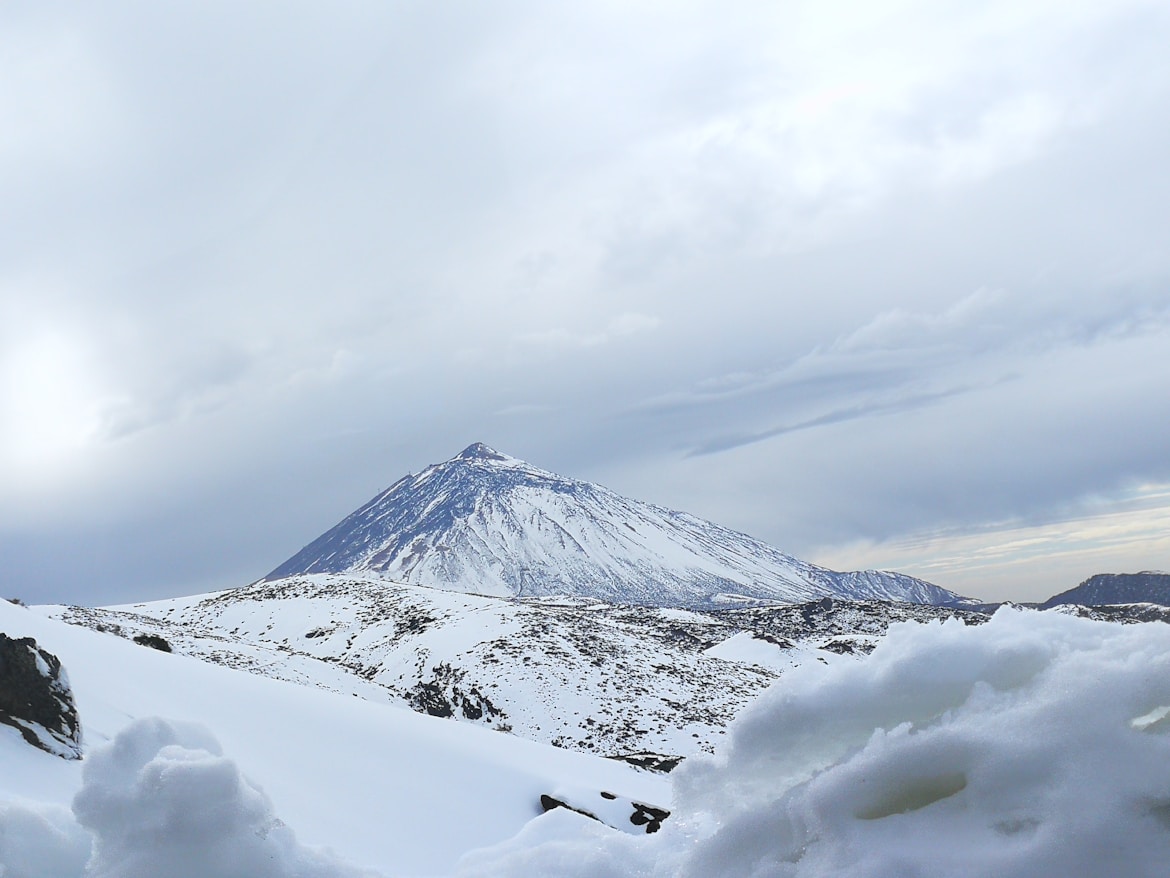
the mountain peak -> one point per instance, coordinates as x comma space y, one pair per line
487, 523
480, 451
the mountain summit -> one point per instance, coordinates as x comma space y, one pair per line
491, 524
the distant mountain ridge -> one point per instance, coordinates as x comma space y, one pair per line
486, 523
1102, 589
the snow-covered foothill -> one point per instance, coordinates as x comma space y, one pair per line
1035, 745
581, 674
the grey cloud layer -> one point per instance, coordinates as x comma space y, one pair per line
821, 272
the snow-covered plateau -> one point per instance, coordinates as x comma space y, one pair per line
1035, 744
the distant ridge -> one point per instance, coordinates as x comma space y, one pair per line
487, 523
1147, 587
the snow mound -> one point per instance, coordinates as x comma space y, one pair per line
1037, 744
160, 800
40, 840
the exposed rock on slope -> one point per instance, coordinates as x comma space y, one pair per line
490, 524
35, 698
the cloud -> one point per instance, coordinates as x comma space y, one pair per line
621, 327
812, 228
727, 442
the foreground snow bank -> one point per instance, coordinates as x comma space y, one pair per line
1036, 744
160, 800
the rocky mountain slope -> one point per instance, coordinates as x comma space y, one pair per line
1117, 588
490, 524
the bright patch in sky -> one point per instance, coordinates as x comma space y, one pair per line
49, 402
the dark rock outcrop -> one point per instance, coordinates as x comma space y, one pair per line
153, 641
35, 698
646, 818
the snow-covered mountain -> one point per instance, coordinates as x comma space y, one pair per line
490, 524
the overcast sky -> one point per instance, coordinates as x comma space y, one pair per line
886, 284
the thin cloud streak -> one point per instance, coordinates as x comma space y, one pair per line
876, 409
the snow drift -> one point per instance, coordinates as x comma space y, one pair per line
161, 800
1036, 744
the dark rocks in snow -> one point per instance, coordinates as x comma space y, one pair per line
1123, 613
600, 678
430, 699
443, 695
650, 761
547, 803
848, 646
35, 698
154, 641
646, 817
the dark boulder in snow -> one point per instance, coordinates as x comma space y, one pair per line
611, 809
153, 641
35, 698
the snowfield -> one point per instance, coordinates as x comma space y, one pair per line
1037, 744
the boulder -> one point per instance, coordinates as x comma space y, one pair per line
35, 698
